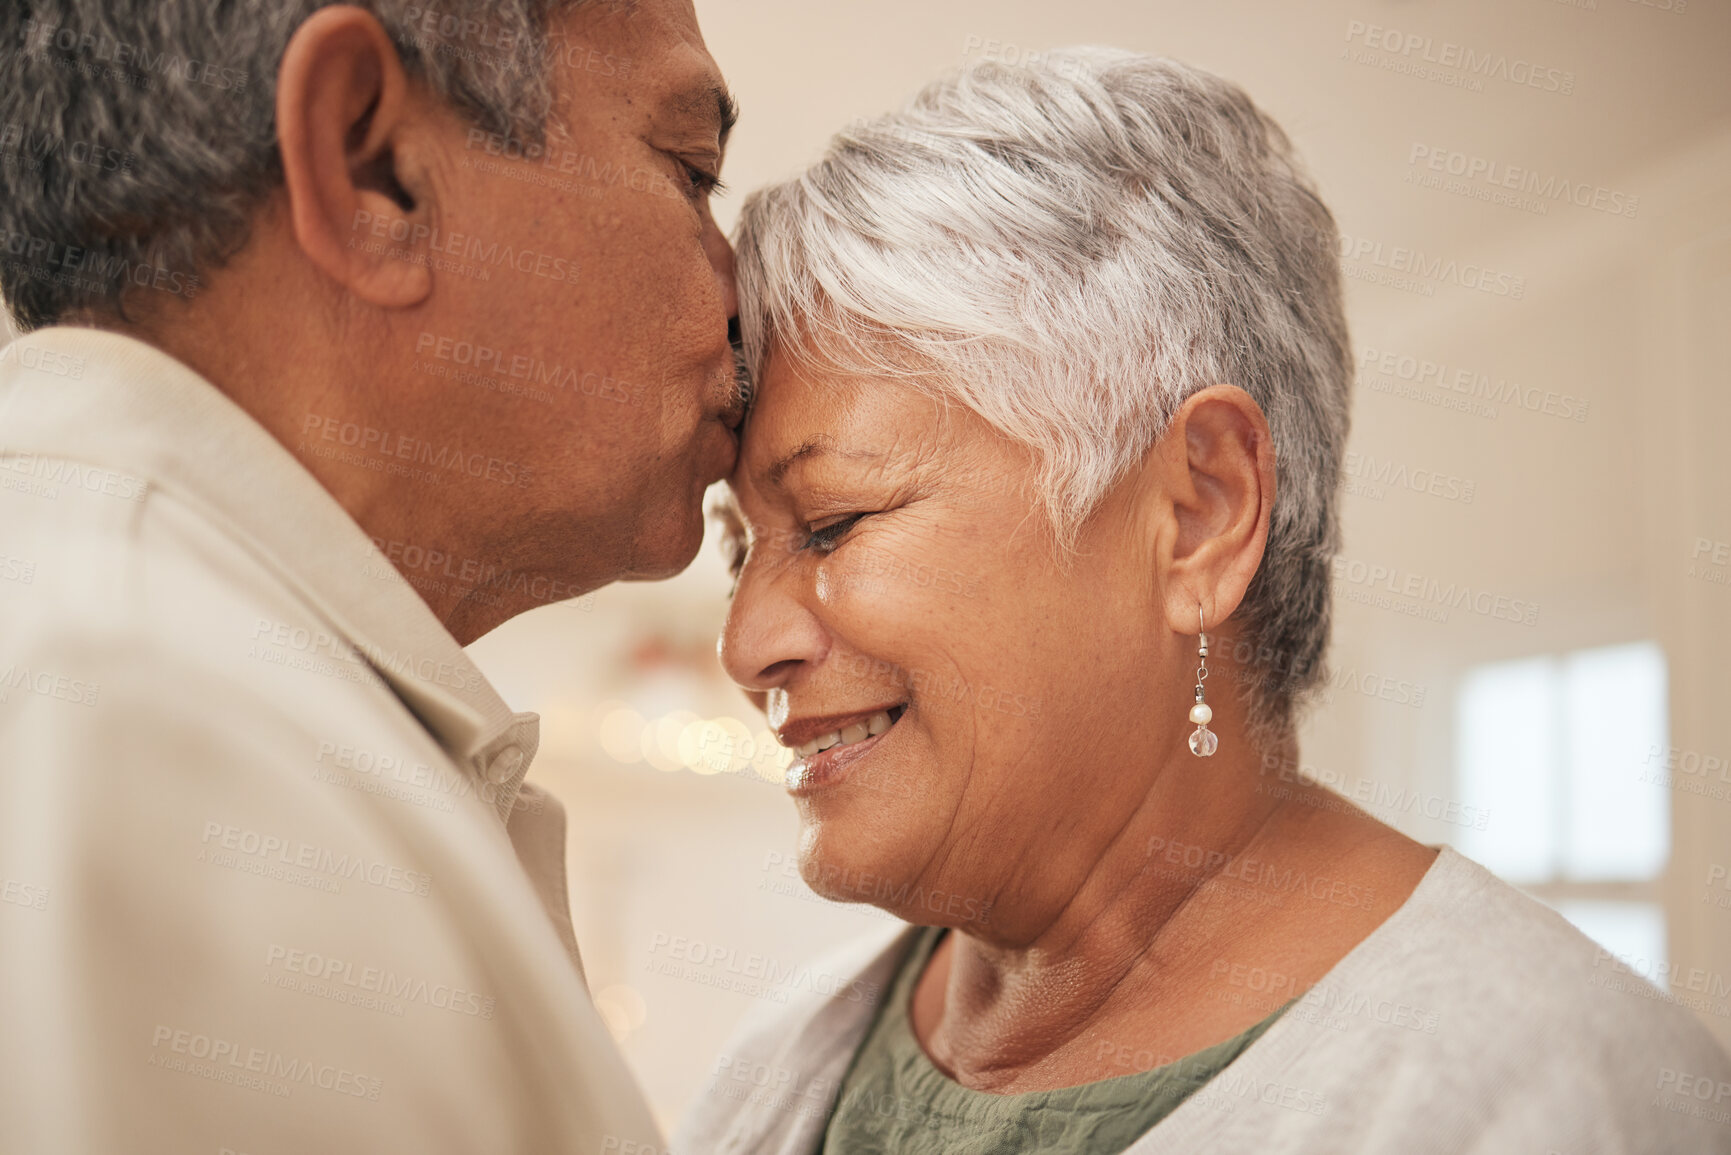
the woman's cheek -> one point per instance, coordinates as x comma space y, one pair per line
915, 572
830, 585
850, 579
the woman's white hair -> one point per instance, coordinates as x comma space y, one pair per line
1071, 250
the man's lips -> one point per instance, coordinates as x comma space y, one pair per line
727, 458
731, 417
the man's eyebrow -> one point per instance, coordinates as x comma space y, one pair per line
714, 104
729, 109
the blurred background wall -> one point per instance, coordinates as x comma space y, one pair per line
1535, 592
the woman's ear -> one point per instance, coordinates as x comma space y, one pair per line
342, 106
1216, 460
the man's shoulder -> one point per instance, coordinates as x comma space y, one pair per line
154, 655
143, 603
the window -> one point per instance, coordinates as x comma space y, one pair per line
1553, 748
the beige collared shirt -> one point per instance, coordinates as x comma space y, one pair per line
270, 879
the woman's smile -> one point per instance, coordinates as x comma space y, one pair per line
825, 759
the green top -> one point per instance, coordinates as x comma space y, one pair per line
895, 1102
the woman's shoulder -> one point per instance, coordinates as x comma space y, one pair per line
1471, 970
772, 1087
1473, 939
1474, 1019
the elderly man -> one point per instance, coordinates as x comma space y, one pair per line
351, 331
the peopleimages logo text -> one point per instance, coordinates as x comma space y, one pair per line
1471, 61
464, 246
138, 58
1547, 187
1430, 267
1421, 588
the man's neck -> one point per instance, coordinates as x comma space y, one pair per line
300, 387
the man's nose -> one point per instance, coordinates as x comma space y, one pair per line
721, 259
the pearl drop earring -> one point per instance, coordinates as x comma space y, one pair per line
1203, 741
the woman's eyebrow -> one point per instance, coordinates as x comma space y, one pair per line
778, 468
813, 448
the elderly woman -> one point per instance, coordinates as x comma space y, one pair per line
1037, 502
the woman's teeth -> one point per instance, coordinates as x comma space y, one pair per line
857, 732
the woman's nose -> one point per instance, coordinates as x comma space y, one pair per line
770, 635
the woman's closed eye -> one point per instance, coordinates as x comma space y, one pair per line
825, 539
735, 546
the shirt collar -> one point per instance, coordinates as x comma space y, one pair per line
108, 399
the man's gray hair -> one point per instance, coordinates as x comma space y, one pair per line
1071, 250
138, 136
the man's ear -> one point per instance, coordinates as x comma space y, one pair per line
1216, 460
341, 103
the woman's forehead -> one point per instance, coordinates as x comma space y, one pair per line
804, 418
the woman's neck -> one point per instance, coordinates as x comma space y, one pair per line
1133, 970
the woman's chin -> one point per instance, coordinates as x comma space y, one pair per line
837, 865
844, 870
